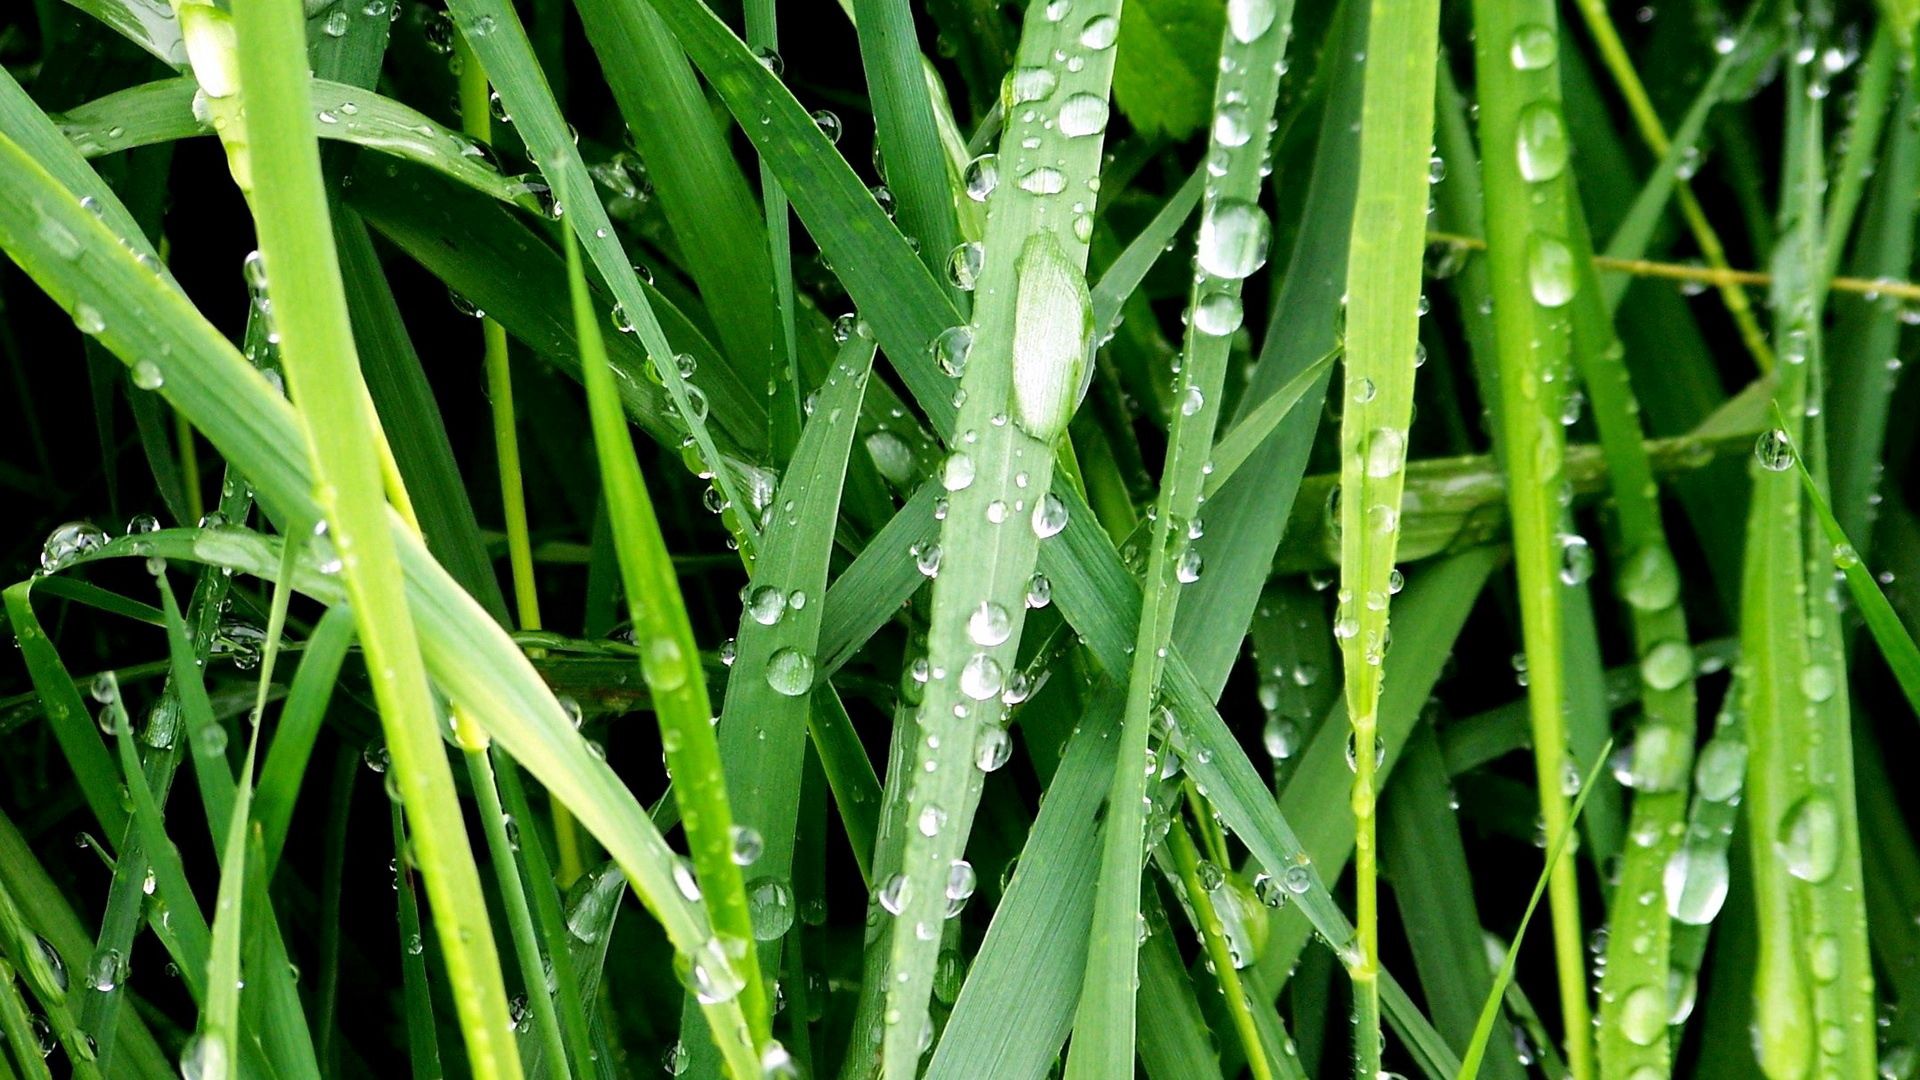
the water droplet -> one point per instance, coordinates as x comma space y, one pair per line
770, 907
68, 542
1576, 559
895, 894
1027, 84
1533, 47
148, 376
790, 672
1233, 239
957, 473
829, 124
1281, 737
1695, 882
982, 176
204, 1058
1650, 581
1247, 20
1218, 314
989, 625
1721, 769
1187, 568
766, 604
963, 266
1667, 665
982, 677
1541, 145
1083, 114
1386, 452
1550, 271
1643, 1014
1100, 32
1774, 450
1809, 838
1043, 180
993, 750
1049, 516
1052, 338
747, 845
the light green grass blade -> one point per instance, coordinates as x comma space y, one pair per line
1030, 344
1523, 134
1483, 1031
45, 973
669, 663
160, 112
1889, 633
1383, 307
1234, 233
1799, 796
316, 345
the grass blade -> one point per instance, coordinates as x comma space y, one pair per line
669, 663
1234, 234
1523, 136
283, 169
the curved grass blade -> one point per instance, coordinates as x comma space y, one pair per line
1384, 264
299, 726
1483, 1031
1533, 276
316, 345
1234, 233
159, 112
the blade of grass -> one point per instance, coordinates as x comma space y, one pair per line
281, 775
914, 164
1483, 1030
161, 112
495, 33
1383, 308
669, 664
1234, 234
1599, 24
423, 1040
1523, 136
1804, 831
149, 24
318, 351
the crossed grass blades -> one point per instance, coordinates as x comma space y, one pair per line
1106, 469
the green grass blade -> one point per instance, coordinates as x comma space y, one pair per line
423, 1040
149, 24
1799, 796
494, 32
669, 663
915, 166
705, 198
1523, 132
1383, 306
317, 348
1483, 1030
282, 774
160, 112
1234, 234
1030, 344
66, 713
1889, 633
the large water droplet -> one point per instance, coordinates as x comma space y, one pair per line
1386, 452
1809, 838
68, 542
770, 906
1247, 20
1052, 338
1774, 450
1049, 516
1550, 271
989, 625
1540, 148
1533, 47
1233, 239
1027, 84
1695, 881
790, 671
982, 678
1083, 114
1650, 581
1667, 665
1643, 1014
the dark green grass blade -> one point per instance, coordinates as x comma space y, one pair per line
1490, 1011
66, 713
714, 218
915, 164
1433, 888
284, 771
